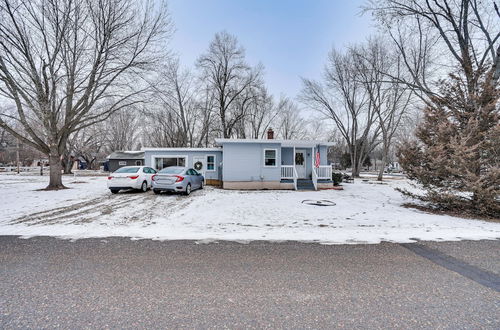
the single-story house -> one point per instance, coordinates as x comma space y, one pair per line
124, 158
252, 163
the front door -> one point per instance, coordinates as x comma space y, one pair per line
300, 163
199, 164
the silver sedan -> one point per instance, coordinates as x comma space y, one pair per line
177, 179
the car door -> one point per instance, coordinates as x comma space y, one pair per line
194, 178
197, 176
190, 175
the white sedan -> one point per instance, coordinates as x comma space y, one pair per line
130, 177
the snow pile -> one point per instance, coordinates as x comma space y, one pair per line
364, 213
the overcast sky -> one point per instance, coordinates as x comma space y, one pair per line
290, 37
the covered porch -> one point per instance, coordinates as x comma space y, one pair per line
305, 165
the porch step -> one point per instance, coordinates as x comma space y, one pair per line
304, 184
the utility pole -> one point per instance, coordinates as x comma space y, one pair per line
17, 155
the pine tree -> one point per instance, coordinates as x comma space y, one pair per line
456, 156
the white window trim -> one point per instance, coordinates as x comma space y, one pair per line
264, 157
153, 159
215, 162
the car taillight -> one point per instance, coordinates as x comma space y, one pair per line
110, 177
153, 177
179, 178
133, 177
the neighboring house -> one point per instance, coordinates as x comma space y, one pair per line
125, 158
253, 164
393, 167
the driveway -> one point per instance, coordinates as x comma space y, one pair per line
123, 283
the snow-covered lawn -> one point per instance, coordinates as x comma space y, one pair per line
364, 213
19, 194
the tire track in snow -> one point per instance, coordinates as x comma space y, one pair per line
147, 209
74, 210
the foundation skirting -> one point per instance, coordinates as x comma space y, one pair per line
213, 182
257, 185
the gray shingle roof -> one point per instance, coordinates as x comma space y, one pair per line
127, 155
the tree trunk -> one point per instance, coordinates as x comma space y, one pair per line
356, 169
355, 163
382, 167
68, 165
93, 164
385, 152
55, 181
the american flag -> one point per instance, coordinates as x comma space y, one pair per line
316, 161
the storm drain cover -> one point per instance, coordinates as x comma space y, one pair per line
321, 202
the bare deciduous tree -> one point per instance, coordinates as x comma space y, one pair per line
344, 99
88, 144
206, 105
262, 114
177, 103
229, 77
121, 131
388, 98
467, 31
289, 122
67, 65
451, 155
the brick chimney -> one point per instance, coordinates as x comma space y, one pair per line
270, 134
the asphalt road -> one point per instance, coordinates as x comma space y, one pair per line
120, 283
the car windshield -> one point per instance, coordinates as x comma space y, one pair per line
127, 170
171, 170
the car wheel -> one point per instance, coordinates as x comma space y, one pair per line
202, 184
188, 189
156, 191
114, 191
144, 186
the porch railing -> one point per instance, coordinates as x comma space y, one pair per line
324, 172
287, 171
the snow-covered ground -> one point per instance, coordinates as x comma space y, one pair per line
364, 213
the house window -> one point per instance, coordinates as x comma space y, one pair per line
138, 163
162, 162
270, 157
211, 163
122, 163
